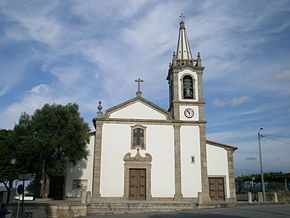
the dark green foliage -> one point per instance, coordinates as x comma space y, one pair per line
61, 134
49, 141
7, 152
269, 177
274, 181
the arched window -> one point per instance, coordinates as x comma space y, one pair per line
188, 87
138, 137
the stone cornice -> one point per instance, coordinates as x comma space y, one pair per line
149, 122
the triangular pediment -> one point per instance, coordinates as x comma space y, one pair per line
137, 108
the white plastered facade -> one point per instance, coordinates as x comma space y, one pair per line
81, 172
117, 142
217, 164
138, 110
190, 161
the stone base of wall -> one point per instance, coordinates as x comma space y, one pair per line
282, 196
52, 209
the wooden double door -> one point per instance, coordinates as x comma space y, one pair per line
137, 184
216, 189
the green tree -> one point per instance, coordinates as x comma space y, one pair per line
275, 181
51, 140
17, 144
7, 168
61, 136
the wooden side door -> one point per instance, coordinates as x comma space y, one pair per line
216, 189
137, 184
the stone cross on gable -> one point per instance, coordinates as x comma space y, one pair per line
139, 93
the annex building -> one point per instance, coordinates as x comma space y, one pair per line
140, 151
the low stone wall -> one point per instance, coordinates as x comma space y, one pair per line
66, 211
49, 209
282, 196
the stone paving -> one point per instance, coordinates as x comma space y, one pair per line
255, 211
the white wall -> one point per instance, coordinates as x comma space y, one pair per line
83, 170
190, 172
160, 142
116, 143
138, 110
217, 163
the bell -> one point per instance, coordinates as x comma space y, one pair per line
187, 93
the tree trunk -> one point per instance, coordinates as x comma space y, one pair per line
42, 181
8, 188
46, 186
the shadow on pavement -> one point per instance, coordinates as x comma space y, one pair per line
189, 215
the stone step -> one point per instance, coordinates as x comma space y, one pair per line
106, 208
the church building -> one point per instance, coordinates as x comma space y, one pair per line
140, 151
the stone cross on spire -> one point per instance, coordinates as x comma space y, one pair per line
183, 48
139, 93
181, 17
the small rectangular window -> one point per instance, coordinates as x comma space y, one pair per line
192, 159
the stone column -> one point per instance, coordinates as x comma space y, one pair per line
176, 91
203, 160
275, 197
231, 174
177, 158
199, 86
97, 161
260, 197
250, 197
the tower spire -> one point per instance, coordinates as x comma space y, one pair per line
183, 48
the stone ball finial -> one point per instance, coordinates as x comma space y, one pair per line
198, 54
100, 107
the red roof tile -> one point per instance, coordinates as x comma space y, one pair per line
223, 145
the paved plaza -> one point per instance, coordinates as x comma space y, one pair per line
263, 211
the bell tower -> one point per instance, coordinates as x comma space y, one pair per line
186, 107
186, 101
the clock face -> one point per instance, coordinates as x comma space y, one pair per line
188, 112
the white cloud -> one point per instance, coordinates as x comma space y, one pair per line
218, 102
29, 104
234, 101
3, 88
32, 100
240, 100
253, 111
68, 75
11, 73
41, 89
35, 22
230, 135
285, 75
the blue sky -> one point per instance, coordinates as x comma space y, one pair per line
86, 51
